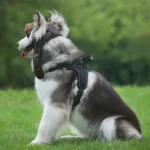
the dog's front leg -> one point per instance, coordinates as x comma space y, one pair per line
52, 120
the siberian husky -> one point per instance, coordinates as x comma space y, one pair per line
101, 113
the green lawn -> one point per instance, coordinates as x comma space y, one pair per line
20, 113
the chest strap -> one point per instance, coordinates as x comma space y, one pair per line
81, 69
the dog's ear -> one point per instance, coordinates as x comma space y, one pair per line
39, 26
59, 22
38, 18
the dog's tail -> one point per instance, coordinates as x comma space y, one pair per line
116, 127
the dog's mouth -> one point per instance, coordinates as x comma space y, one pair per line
25, 51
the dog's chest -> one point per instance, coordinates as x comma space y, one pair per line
45, 89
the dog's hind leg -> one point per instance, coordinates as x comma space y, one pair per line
108, 129
52, 120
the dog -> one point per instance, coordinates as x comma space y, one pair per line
101, 113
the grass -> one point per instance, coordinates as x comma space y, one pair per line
20, 113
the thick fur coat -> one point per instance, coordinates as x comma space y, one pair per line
101, 113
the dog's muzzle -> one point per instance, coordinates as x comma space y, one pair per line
24, 45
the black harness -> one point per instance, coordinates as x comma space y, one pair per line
81, 69
79, 66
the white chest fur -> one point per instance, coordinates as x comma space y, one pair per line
45, 89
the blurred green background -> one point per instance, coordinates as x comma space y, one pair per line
115, 32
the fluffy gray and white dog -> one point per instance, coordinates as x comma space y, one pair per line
101, 113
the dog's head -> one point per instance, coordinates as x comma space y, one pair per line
37, 29
52, 52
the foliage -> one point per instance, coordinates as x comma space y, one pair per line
116, 33
21, 114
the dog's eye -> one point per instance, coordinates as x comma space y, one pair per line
49, 20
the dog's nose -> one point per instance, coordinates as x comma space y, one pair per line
17, 44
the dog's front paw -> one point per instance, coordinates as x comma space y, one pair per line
36, 142
39, 141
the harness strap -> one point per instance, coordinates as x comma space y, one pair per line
81, 70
